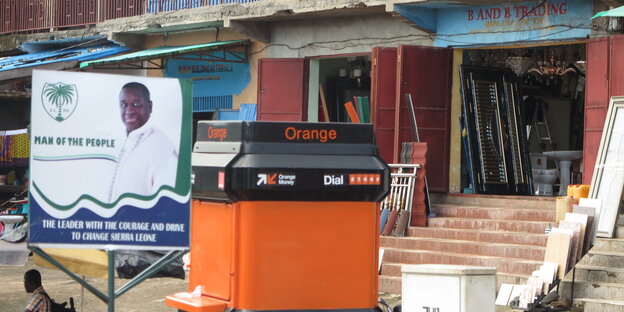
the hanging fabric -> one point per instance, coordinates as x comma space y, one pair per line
14, 148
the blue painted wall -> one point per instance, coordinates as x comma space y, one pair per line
214, 83
503, 23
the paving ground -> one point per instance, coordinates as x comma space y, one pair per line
147, 296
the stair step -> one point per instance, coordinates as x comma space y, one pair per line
619, 221
609, 244
390, 284
601, 258
524, 202
505, 265
597, 274
535, 227
465, 247
597, 305
480, 235
494, 213
584, 289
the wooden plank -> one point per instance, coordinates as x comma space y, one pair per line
548, 272
597, 205
504, 294
563, 206
323, 103
536, 283
574, 244
590, 229
351, 111
516, 291
582, 220
558, 249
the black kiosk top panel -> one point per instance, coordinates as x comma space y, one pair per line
291, 138
285, 161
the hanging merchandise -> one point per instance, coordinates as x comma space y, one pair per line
14, 148
494, 137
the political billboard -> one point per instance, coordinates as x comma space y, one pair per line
110, 161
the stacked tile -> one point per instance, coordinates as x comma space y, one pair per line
416, 153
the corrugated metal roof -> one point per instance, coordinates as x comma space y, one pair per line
617, 12
164, 51
65, 54
48, 45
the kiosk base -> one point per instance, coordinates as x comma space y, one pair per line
197, 304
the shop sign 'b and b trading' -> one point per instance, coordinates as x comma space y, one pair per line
499, 23
110, 161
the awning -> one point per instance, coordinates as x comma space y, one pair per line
235, 51
617, 12
21, 66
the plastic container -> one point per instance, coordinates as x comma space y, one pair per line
578, 191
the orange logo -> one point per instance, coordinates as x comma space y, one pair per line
271, 178
322, 136
217, 133
267, 178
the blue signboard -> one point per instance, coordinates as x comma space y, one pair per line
110, 166
502, 23
211, 78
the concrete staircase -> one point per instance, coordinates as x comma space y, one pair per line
506, 232
599, 277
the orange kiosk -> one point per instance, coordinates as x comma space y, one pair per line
284, 217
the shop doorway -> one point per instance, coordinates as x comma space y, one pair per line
337, 80
517, 105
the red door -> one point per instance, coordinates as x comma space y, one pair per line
383, 94
596, 101
282, 89
425, 73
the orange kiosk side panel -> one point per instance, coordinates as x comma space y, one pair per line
212, 239
307, 255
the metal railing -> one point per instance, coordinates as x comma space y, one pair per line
157, 6
23, 16
71, 13
112, 9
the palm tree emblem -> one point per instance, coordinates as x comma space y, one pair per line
60, 98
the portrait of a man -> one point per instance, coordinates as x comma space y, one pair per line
148, 159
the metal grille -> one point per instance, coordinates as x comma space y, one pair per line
514, 132
211, 103
157, 6
112, 9
489, 135
76, 13
401, 195
25, 15
39, 15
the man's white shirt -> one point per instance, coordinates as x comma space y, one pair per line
147, 161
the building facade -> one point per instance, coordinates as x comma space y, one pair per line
302, 60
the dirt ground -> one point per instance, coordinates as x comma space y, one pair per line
147, 296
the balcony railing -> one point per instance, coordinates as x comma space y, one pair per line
157, 6
23, 16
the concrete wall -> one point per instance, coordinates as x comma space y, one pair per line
341, 35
